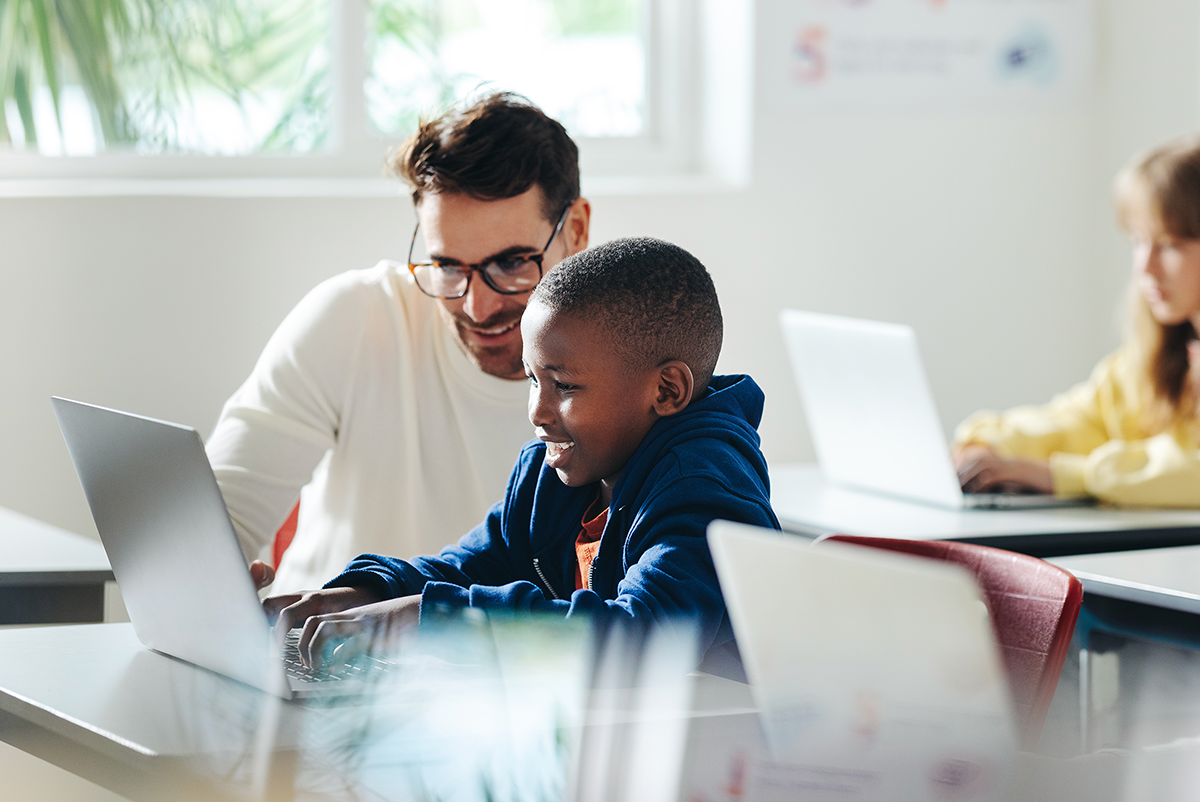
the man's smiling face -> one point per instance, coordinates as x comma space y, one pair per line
460, 229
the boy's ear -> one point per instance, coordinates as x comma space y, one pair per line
675, 385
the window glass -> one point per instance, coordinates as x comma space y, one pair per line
582, 61
219, 77
244, 77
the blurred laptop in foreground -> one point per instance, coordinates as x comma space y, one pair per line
876, 675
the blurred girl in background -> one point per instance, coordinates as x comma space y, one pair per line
1129, 435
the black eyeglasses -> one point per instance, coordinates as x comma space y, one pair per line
511, 276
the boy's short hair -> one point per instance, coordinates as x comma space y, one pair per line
498, 147
656, 299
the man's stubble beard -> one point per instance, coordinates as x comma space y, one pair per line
503, 362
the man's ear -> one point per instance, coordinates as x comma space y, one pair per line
675, 385
575, 227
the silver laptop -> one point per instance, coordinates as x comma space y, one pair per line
876, 675
871, 413
174, 551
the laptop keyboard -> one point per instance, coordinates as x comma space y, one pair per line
364, 668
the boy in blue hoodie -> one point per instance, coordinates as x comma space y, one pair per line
639, 447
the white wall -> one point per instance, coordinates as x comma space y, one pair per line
989, 232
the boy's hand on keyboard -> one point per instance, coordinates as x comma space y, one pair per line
289, 610
341, 623
335, 639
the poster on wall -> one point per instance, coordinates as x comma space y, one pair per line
927, 53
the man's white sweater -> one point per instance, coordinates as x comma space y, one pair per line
363, 399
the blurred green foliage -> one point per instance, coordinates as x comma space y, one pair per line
140, 62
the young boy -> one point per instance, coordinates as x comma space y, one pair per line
639, 448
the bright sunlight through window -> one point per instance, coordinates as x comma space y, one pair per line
247, 77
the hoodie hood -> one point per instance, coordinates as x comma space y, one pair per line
727, 417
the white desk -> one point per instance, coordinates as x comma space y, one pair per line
48, 575
807, 504
152, 728
90, 699
1168, 578
1139, 608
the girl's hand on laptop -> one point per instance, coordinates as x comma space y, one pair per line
982, 470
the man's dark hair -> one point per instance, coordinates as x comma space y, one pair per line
498, 147
655, 299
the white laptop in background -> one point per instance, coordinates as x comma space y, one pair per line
871, 413
876, 675
174, 551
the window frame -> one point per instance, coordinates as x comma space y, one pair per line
668, 145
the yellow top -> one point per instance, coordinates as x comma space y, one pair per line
1098, 441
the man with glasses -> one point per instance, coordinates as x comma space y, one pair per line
392, 401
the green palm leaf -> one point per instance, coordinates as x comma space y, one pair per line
141, 63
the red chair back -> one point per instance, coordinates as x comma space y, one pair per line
1032, 606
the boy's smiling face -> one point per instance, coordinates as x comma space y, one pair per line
590, 407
